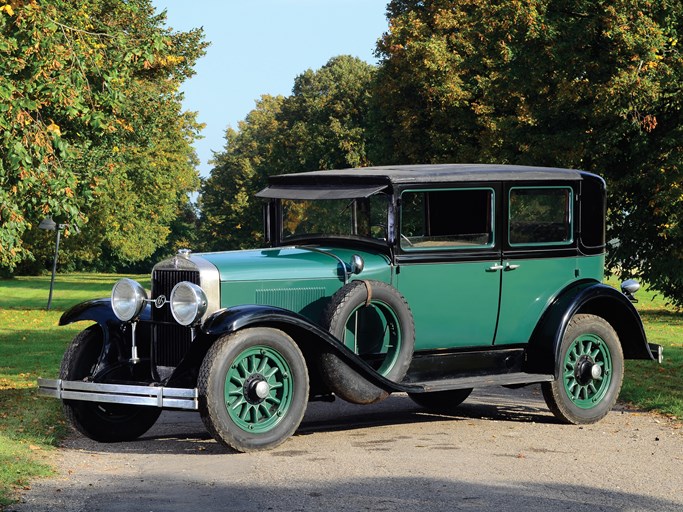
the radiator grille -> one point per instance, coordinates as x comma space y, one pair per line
170, 341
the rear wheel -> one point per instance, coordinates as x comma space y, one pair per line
102, 422
253, 388
591, 372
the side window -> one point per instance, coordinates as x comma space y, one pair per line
541, 215
446, 219
593, 213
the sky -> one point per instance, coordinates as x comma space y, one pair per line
260, 46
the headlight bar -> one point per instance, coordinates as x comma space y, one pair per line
188, 301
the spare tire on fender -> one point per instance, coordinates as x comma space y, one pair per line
373, 320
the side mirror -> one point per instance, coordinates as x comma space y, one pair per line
629, 287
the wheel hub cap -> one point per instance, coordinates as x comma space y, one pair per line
261, 389
587, 371
258, 389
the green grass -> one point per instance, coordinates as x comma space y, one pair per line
32, 344
69, 289
650, 386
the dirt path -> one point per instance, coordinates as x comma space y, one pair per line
503, 451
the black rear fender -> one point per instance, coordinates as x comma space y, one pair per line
592, 298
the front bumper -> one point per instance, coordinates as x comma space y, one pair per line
167, 398
657, 352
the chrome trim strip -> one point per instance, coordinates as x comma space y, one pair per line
210, 281
176, 398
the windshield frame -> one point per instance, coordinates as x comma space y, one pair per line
274, 224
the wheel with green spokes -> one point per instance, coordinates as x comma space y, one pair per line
253, 388
591, 371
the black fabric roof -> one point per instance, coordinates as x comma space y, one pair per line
314, 192
427, 173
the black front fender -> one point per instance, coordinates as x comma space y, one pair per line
591, 298
311, 339
97, 310
116, 337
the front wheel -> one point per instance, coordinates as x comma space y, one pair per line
103, 422
253, 388
591, 371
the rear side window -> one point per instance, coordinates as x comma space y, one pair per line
540, 215
447, 219
593, 213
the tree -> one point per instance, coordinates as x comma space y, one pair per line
322, 125
91, 125
591, 84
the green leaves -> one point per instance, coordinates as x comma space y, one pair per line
87, 99
322, 125
579, 83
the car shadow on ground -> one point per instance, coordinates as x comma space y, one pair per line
498, 405
184, 432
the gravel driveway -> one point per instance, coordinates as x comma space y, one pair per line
502, 451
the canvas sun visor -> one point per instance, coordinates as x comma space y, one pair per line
316, 192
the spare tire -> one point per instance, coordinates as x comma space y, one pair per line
373, 320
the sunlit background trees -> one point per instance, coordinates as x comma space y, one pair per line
94, 133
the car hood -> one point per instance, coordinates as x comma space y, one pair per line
295, 263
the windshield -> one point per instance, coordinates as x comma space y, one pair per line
362, 217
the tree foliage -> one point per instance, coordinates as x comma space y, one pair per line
91, 125
591, 84
322, 125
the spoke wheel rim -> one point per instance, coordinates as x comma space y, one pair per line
587, 371
374, 333
253, 406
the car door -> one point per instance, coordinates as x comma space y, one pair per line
539, 255
448, 264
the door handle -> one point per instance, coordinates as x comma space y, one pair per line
495, 268
509, 267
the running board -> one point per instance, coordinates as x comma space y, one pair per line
171, 398
505, 379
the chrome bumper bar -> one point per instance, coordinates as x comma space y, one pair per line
657, 352
171, 398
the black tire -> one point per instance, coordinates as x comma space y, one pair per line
264, 373
441, 401
591, 371
106, 423
387, 344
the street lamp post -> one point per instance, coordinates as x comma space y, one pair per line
50, 225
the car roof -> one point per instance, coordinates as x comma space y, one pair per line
429, 173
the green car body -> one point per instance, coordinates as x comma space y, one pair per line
430, 280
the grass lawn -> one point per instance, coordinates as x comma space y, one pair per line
657, 387
31, 345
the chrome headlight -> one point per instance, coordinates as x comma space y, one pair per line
127, 299
188, 303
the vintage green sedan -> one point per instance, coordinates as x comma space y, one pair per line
426, 279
